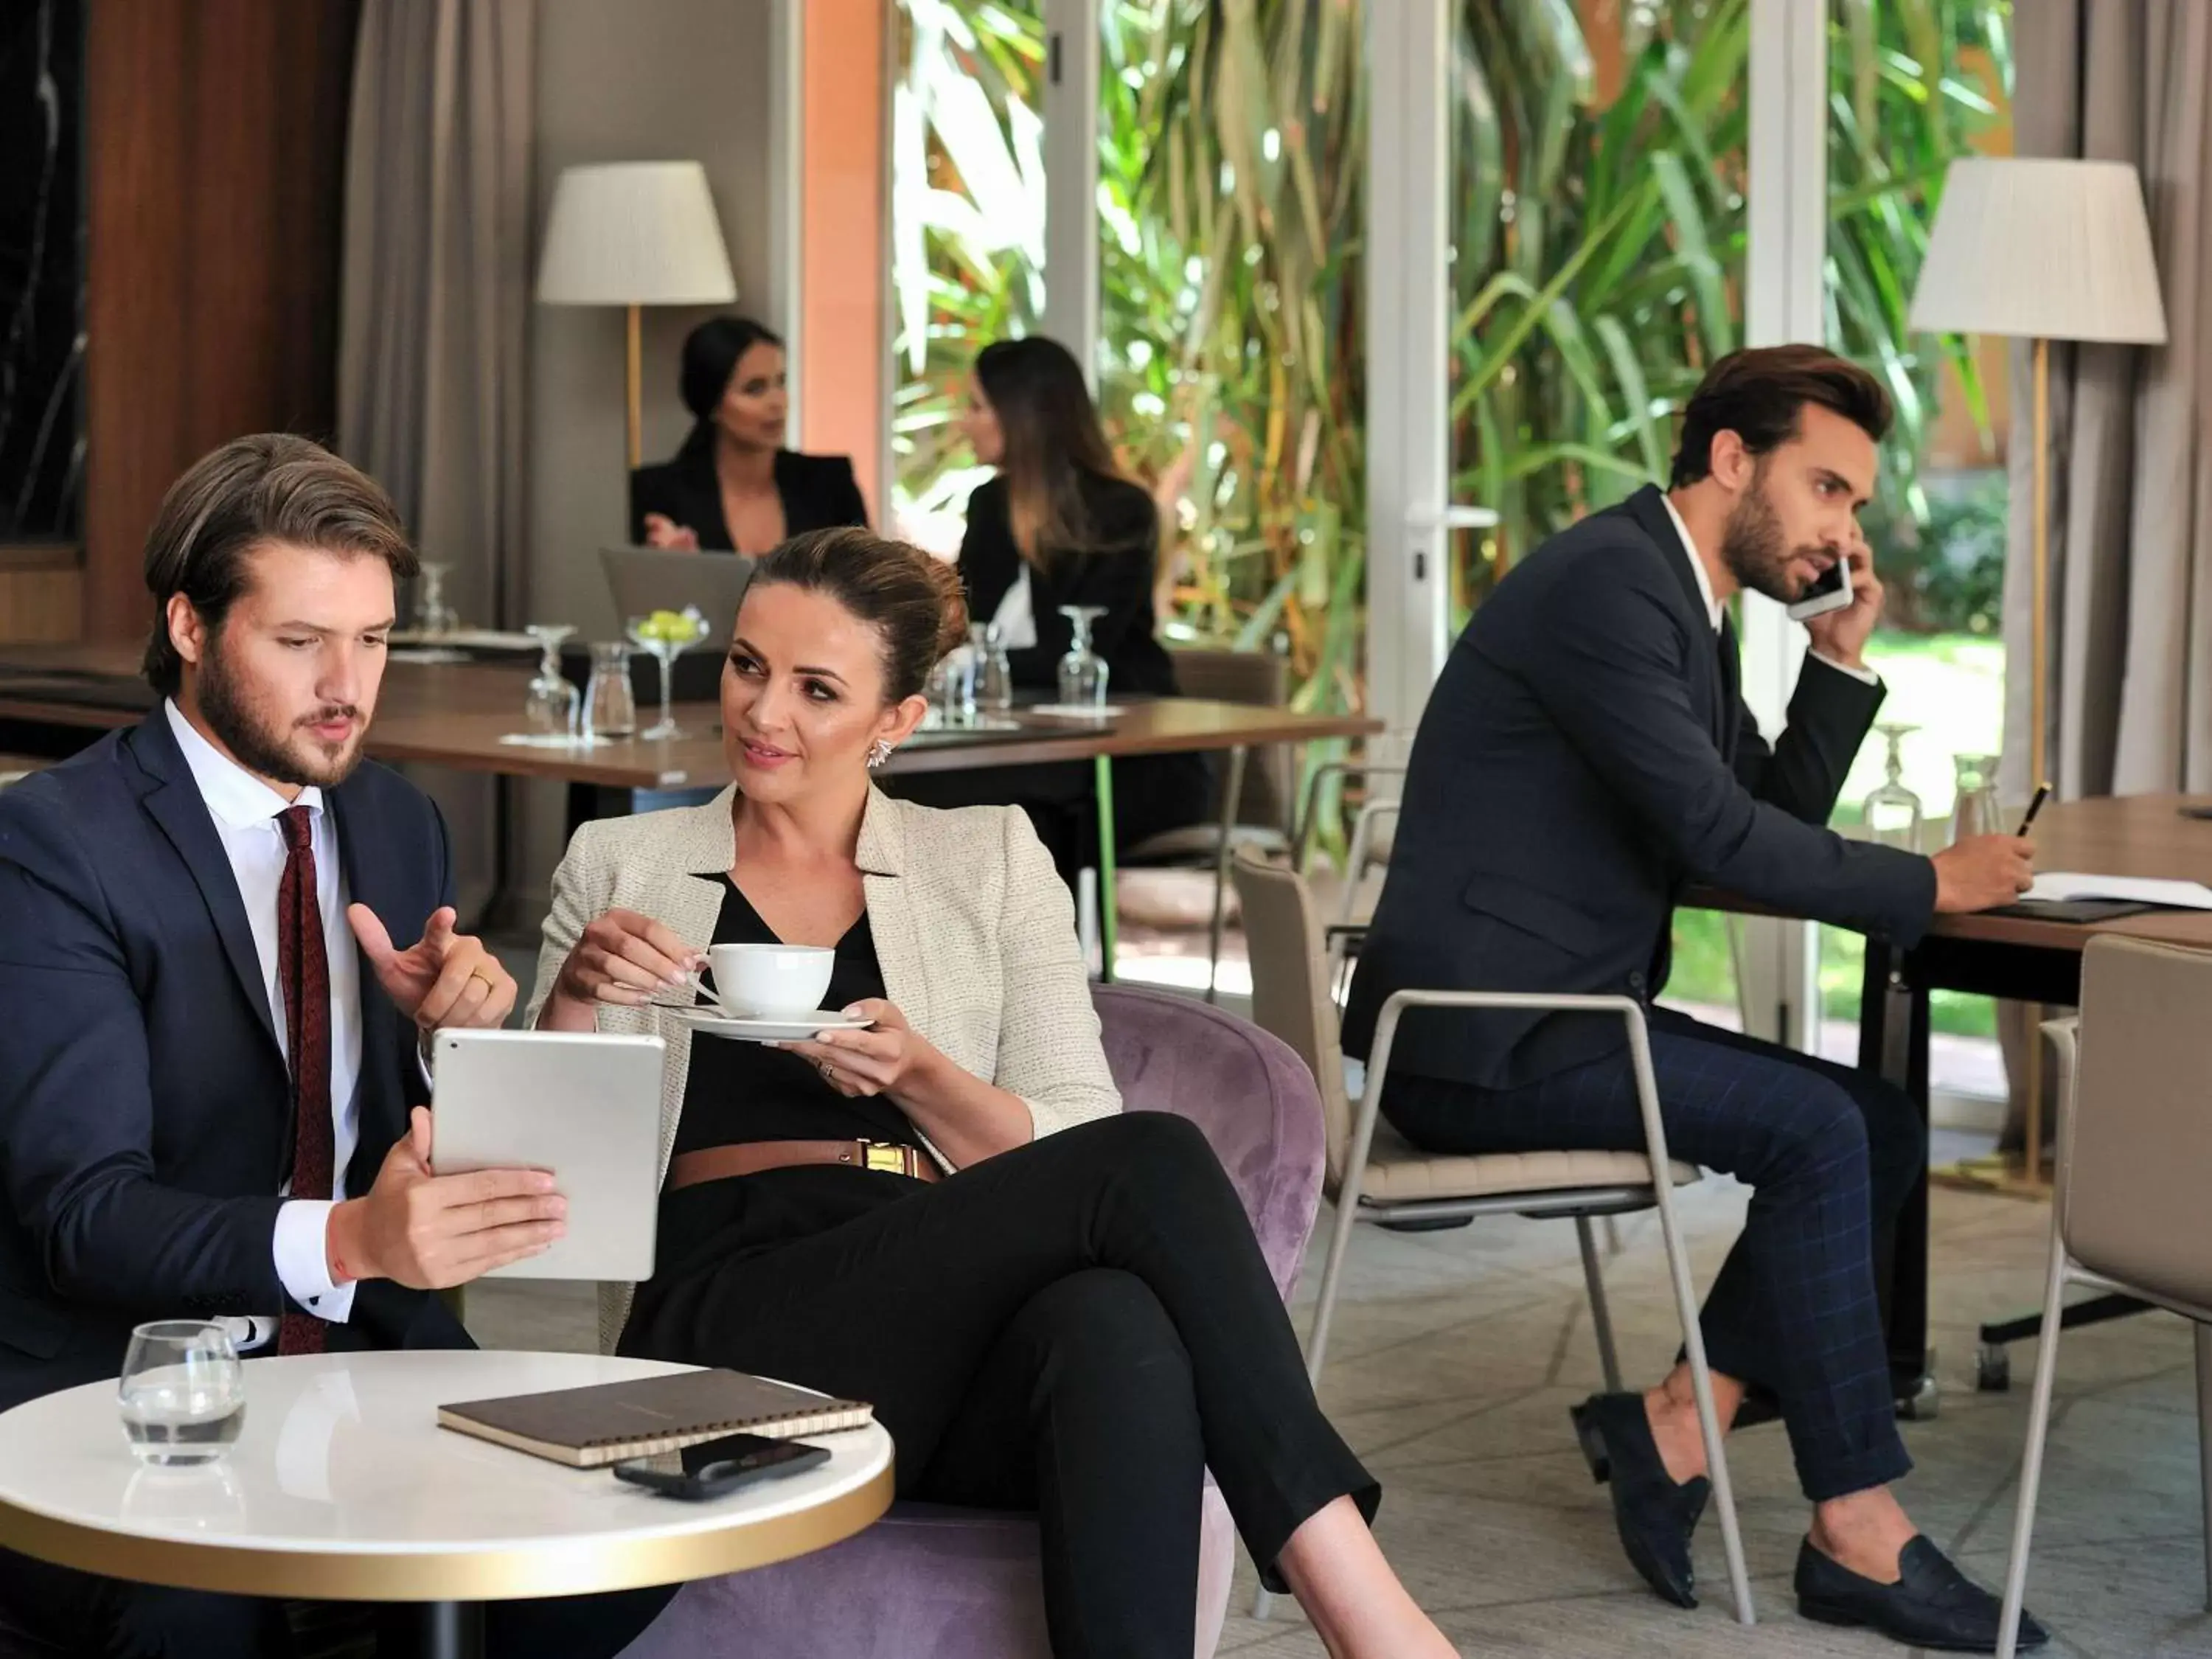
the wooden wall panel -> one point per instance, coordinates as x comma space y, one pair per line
41, 595
216, 154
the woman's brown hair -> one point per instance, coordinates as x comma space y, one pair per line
913, 600
1052, 438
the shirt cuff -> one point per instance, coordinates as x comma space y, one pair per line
1866, 676
303, 1259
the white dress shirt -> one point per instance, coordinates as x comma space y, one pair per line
245, 811
1017, 614
1714, 610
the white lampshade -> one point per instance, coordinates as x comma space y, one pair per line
635, 233
2050, 250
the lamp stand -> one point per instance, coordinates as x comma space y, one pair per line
632, 383
2039, 730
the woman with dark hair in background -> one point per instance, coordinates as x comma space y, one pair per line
1062, 524
733, 487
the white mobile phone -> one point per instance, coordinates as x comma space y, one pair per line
1830, 590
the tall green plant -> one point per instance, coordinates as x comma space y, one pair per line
1599, 243
1229, 142
1232, 363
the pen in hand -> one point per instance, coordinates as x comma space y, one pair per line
2042, 794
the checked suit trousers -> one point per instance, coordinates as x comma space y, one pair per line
1832, 1156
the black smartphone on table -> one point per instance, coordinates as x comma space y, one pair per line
713, 1468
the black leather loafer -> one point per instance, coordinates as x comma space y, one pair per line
1932, 1605
1655, 1516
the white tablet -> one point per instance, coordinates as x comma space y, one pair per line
583, 1104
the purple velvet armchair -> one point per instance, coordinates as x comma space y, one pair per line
929, 1582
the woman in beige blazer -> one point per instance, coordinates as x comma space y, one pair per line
1051, 1306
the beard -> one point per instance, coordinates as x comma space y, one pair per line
261, 741
1755, 549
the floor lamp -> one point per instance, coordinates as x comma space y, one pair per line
2040, 250
633, 233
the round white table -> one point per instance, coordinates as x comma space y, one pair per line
343, 1487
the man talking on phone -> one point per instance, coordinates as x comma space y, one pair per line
1586, 755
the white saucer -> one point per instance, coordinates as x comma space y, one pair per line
783, 1028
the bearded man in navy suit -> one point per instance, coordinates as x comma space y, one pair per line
224, 940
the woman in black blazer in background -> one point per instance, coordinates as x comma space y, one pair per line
733, 487
1062, 524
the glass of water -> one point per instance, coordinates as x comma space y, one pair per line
183, 1392
1975, 811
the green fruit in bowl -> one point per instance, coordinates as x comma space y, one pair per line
673, 627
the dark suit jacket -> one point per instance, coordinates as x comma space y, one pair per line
1586, 752
818, 491
1115, 573
145, 1114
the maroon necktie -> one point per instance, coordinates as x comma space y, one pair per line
303, 969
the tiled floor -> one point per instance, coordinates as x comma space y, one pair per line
1456, 1355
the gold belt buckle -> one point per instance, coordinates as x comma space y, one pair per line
888, 1156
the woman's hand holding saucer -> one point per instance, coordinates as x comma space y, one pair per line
889, 1057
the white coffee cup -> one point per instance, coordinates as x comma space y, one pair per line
762, 981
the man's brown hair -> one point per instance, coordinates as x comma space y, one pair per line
1760, 395
271, 487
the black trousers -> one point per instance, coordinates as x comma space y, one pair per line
1832, 1154
1077, 1327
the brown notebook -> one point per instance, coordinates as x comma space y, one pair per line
610, 1421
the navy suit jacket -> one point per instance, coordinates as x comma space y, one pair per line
145, 1107
1586, 753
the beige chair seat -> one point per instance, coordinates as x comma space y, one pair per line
1400, 1173
1203, 841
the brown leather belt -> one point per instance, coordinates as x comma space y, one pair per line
751, 1157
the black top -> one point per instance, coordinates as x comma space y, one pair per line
1586, 751
818, 493
738, 1091
1117, 572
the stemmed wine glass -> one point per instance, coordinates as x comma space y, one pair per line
666, 636
1082, 672
1893, 815
553, 707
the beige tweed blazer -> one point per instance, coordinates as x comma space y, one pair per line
974, 931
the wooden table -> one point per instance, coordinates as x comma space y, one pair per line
456, 714
341, 1486
2026, 961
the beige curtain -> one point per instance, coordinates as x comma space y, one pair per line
2131, 486
435, 288
2131, 501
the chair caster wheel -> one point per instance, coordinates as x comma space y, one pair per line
1992, 1369
1925, 1404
